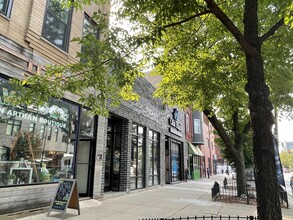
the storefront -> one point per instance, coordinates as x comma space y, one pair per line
41, 144
174, 151
195, 155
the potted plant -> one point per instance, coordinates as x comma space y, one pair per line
10, 179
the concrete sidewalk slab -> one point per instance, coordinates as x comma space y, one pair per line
192, 198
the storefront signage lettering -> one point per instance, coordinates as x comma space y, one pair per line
175, 124
31, 117
176, 127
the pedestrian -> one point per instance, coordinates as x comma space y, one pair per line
208, 172
222, 171
187, 174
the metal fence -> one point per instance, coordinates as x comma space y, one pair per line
228, 192
206, 218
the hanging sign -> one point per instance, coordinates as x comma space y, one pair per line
65, 197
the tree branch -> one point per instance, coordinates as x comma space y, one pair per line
247, 128
236, 129
187, 19
272, 30
221, 131
223, 18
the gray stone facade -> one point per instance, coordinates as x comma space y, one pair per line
150, 113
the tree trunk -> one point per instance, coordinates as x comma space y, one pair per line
235, 149
263, 148
269, 207
240, 172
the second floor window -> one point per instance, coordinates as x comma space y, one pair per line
187, 122
90, 27
32, 127
13, 126
42, 131
5, 7
196, 125
56, 25
49, 133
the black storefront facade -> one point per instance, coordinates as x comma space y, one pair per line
144, 144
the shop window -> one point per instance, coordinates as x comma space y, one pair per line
26, 156
12, 127
32, 127
154, 158
5, 7
137, 169
56, 27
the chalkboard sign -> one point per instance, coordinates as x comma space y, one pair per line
66, 196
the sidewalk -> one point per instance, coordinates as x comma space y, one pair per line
192, 198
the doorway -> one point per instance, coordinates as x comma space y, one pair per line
173, 160
84, 170
113, 151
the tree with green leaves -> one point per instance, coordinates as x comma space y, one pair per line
287, 159
218, 47
252, 25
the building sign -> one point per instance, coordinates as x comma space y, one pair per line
49, 114
4, 111
175, 125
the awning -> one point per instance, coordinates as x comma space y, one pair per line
194, 150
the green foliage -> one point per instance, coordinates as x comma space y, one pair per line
286, 159
105, 74
23, 141
247, 149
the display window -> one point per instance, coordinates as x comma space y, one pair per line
36, 142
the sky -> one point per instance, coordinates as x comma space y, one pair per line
285, 130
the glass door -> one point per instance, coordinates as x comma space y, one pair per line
112, 163
175, 157
83, 167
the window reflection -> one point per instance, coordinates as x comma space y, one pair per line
137, 157
35, 142
87, 122
153, 158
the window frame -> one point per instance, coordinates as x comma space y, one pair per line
138, 134
88, 18
7, 11
49, 136
32, 127
154, 157
196, 126
11, 123
66, 34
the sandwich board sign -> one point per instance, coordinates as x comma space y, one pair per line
66, 196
